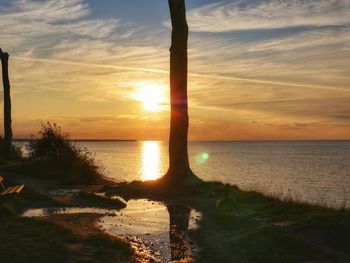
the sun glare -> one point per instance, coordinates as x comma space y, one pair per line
150, 160
151, 96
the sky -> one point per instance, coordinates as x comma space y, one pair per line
258, 69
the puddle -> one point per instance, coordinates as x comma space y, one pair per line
157, 232
41, 212
145, 224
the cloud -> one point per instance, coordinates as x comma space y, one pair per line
69, 66
56, 46
325, 107
36, 23
308, 39
345, 117
268, 14
100, 118
315, 58
49, 11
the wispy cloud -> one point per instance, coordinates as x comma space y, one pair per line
71, 66
57, 46
165, 72
49, 10
28, 23
310, 58
307, 39
268, 14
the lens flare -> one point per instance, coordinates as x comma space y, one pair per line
202, 157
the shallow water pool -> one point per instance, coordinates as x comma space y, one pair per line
157, 232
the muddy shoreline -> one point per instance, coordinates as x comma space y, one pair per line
234, 226
157, 233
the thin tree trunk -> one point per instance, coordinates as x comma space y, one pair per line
179, 166
7, 105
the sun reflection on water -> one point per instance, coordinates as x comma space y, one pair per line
150, 161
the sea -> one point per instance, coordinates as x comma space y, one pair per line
314, 171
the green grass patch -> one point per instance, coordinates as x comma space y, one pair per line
255, 228
32, 240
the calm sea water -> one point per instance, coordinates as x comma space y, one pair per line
316, 171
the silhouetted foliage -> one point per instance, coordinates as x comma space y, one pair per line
16, 152
59, 158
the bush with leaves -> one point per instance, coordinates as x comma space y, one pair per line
55, 156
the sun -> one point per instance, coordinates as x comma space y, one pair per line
151, 95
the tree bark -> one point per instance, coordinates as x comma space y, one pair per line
7, 105
179, 166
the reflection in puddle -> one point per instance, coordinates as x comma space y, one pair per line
145, 224
157, 232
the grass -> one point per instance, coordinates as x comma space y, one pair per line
248, 226
260, 228
32, 240
292, 197
28, 239
39, 240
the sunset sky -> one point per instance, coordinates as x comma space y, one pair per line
268, 69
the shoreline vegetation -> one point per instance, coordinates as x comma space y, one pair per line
236, 225
52, 155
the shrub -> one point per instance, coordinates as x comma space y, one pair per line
55, 156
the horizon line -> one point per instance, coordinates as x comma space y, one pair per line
208, 140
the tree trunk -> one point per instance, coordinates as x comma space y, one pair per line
179, 166
7, 105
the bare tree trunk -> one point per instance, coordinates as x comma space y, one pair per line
7, 105
179, 166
